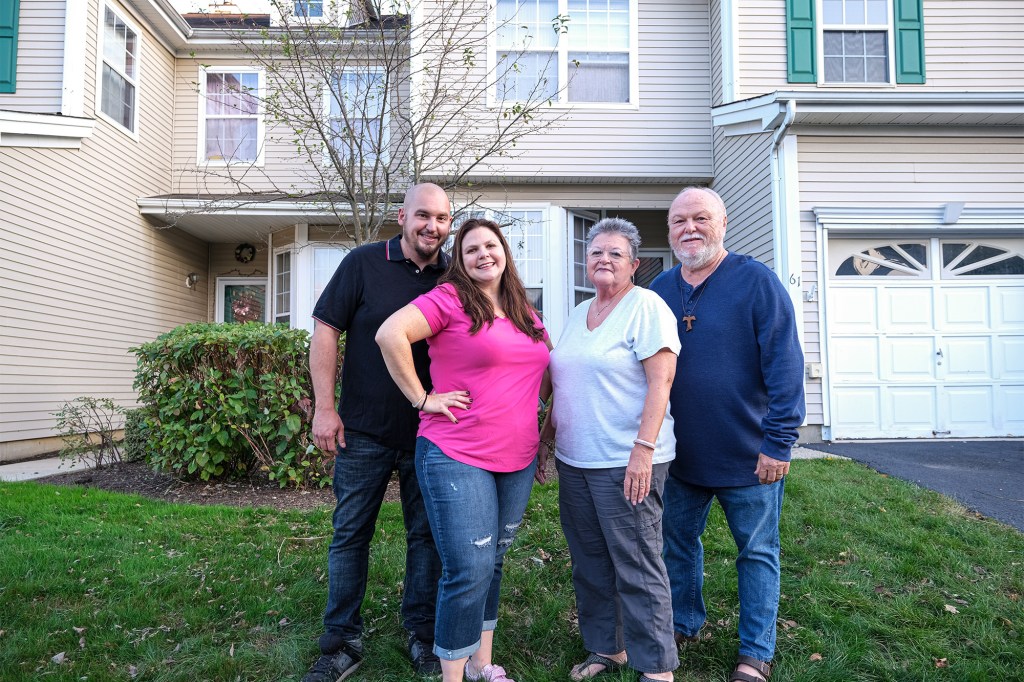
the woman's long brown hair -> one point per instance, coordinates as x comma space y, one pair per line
511, 292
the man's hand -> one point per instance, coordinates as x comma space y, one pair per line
770, 470
328, 431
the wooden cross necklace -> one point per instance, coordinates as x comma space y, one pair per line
688, 315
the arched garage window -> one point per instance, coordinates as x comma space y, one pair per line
974, 259
888, 259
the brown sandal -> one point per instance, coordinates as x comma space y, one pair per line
765, 669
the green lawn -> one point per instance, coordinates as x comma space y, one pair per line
881, 581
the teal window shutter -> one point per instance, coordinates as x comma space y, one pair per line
801, 54
909, 32
8, 44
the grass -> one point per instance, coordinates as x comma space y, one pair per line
881, 581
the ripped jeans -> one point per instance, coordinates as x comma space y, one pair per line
474, 515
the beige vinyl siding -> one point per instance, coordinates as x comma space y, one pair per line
974, 46
667, 135
743, 178
593, 197
40, 78
716, 51
910, 171
895, 172
83, 276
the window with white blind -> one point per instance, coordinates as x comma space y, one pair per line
230, 120
570, 51
856, 37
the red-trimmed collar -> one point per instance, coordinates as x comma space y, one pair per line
393, 252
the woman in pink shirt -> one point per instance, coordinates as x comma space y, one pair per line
478, 435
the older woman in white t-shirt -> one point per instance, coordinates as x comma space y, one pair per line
612, 370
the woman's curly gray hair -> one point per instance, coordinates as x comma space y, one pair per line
619, 226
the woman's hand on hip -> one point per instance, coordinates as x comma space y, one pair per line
441, 403
637, 485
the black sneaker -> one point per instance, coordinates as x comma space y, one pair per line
424, 660
337, 666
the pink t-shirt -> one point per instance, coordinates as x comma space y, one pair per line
501, 367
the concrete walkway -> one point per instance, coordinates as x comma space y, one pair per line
37, 468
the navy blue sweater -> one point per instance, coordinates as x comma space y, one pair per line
738, 389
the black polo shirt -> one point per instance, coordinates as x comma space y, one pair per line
372, 282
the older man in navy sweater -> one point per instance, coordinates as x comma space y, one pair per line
737, 401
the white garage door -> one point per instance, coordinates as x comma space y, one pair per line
926, 338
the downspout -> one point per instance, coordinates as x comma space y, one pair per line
789, 272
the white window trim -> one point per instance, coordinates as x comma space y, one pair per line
890, 36
385, 115
223, 282
201, 159
272, 286
561, 101
137, 81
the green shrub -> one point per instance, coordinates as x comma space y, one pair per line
87, 426
227, 399
136, 435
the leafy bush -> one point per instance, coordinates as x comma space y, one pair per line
87, 426
230, 398
136, 435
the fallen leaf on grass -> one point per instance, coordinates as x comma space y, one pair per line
81, 642
283, 622
58, 659
814, 657
78, 631
952, 609
787, 624
133, 671
941, 662
231, 651
1006, 621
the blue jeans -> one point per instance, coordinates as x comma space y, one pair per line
474, 515
753, 515
361, 474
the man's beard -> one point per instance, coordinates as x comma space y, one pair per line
702, 258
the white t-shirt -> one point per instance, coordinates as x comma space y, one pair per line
600, 385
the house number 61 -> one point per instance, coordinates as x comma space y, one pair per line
794, 280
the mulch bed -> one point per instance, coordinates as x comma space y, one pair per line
138, 477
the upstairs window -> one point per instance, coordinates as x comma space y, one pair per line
231, 124
569, 51
855, 41
313, 9
357, 113
119, 72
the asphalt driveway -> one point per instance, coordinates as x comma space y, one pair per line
984, 475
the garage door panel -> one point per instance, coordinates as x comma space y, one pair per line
908, 309
1011, 416
910, 409
964, 308
968, 358
859, 410
856, 359
854, 310
909, 358
968, 410
1010, 307
1009, 353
